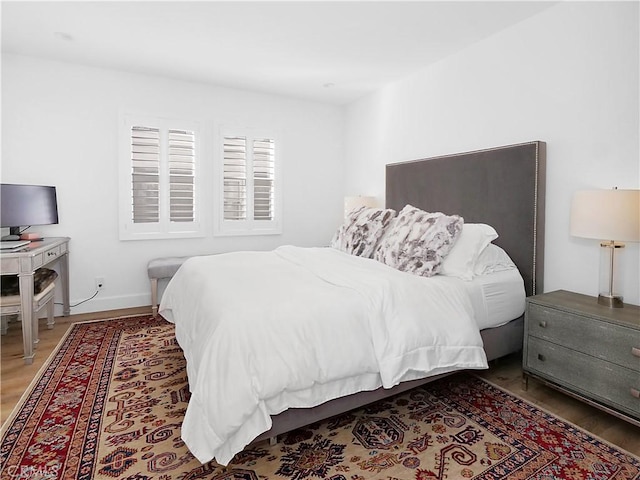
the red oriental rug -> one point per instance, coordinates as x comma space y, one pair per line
110, 402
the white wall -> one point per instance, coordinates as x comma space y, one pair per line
59, 127
568, 76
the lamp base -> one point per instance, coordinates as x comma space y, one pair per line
612, 301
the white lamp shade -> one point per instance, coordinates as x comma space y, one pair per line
606, 215
351, 203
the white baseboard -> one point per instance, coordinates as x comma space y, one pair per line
101, 304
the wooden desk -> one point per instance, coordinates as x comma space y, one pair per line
24, 262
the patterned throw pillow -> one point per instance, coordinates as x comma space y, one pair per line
418, 241
9, 284
361, 231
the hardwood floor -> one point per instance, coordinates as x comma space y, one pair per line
507, 373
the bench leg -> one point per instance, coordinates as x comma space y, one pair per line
50, 318
34, 330
154, 297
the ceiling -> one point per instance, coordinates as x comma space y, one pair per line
323, 51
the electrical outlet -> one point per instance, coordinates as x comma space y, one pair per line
99, 283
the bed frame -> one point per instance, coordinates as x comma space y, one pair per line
503, 187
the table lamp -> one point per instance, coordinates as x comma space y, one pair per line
612, 216
351, 203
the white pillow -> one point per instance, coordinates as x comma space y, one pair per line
461, 259
493, 259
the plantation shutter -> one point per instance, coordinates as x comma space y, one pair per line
181, 175
248, 196
263, 175
158, 178
235, 178
145, 174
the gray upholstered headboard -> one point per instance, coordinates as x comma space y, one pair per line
503, 187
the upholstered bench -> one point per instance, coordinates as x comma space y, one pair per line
161, 268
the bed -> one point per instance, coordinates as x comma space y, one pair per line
502, 187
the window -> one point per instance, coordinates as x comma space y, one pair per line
247, 182
159, 179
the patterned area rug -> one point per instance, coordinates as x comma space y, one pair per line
110, 404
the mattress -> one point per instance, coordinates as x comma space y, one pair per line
497, 298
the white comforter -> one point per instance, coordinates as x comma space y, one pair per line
295, 327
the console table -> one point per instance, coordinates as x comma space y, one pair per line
24, 262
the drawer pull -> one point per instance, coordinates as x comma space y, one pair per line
51, 254
541, 357
543, 323
635, 351
635, 393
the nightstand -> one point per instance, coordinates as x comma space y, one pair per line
584, 349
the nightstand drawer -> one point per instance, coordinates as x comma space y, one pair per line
586, 375
613, 343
